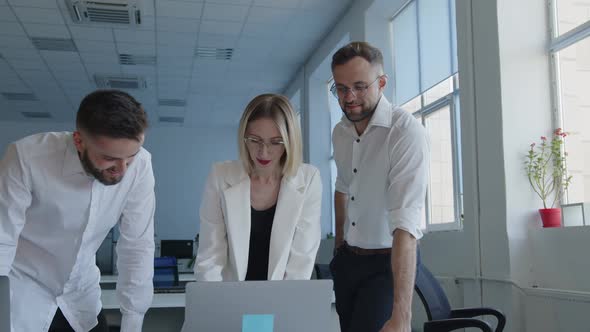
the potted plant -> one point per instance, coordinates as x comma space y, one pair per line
547, 173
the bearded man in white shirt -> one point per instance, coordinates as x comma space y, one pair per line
60, 194
381, 154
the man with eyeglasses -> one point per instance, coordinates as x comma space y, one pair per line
382, 157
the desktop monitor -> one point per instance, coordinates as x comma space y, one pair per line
278, 306
177, 248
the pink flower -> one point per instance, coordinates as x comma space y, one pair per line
558, 131
563, 134
543, 138
533, 145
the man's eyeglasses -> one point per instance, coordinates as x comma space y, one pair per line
358, 90
256, 143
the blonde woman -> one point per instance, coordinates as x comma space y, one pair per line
260, 215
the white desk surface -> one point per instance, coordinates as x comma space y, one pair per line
111, 279
174, 300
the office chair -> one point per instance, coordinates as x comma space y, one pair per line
441, 317
322, 271
165, 272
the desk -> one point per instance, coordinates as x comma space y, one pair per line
166, 313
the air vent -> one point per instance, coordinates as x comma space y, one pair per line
129, 59
36, 115
54, 44
109, 12
19, 96
214, 53
172, 119
172, 102
119, 82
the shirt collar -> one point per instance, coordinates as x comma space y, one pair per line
381, 117
72, 164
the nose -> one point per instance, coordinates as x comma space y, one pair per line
348, 95
122, 165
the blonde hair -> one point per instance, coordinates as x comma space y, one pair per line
279, 109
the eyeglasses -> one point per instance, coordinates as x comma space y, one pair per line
358, 90
256, 143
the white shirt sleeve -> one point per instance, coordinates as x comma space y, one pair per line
408, 178
135, 251
15, 198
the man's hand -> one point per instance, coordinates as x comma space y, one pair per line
397, 324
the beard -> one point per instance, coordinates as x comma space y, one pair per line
366, 112
97, 173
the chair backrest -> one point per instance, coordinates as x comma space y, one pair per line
432, 295
165, 272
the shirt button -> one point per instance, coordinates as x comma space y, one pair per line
352, 198
358, 140
354, 170
353, 223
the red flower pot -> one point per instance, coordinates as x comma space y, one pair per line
551, 217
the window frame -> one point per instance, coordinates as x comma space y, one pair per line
450, 100
558, 43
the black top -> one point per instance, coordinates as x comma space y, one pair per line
260, 229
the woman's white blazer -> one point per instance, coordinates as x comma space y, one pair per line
224, 239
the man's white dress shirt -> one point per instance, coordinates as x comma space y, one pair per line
384, 172
53, 218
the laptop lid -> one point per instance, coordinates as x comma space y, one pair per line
4, 304
287, 306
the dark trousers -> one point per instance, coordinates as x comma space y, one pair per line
60, 323
363, 285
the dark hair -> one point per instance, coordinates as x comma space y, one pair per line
113, 114
363, 49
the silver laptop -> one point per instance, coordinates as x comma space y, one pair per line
4, 304
285, 306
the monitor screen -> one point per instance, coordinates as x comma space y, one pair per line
176, 248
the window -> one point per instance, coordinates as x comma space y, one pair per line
425, 64
570, 56
437, 109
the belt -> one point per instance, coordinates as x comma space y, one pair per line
366, 252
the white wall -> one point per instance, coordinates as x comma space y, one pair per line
181, 159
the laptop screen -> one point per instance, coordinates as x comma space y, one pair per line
285, 306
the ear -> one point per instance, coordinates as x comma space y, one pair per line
383, 81
78, 141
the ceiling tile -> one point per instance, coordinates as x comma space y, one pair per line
175, 24
215, 40
6, 14
273, 17
221, 28
144, 71
107, 58
134, 36
92, 46
15, 42
12, 28
220, 12
38, 15
235, 2
27, 64
90, 33
178, 39
178, 9
47, 30
136, 48
258, 30
278, 3
164, 50
34, 3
